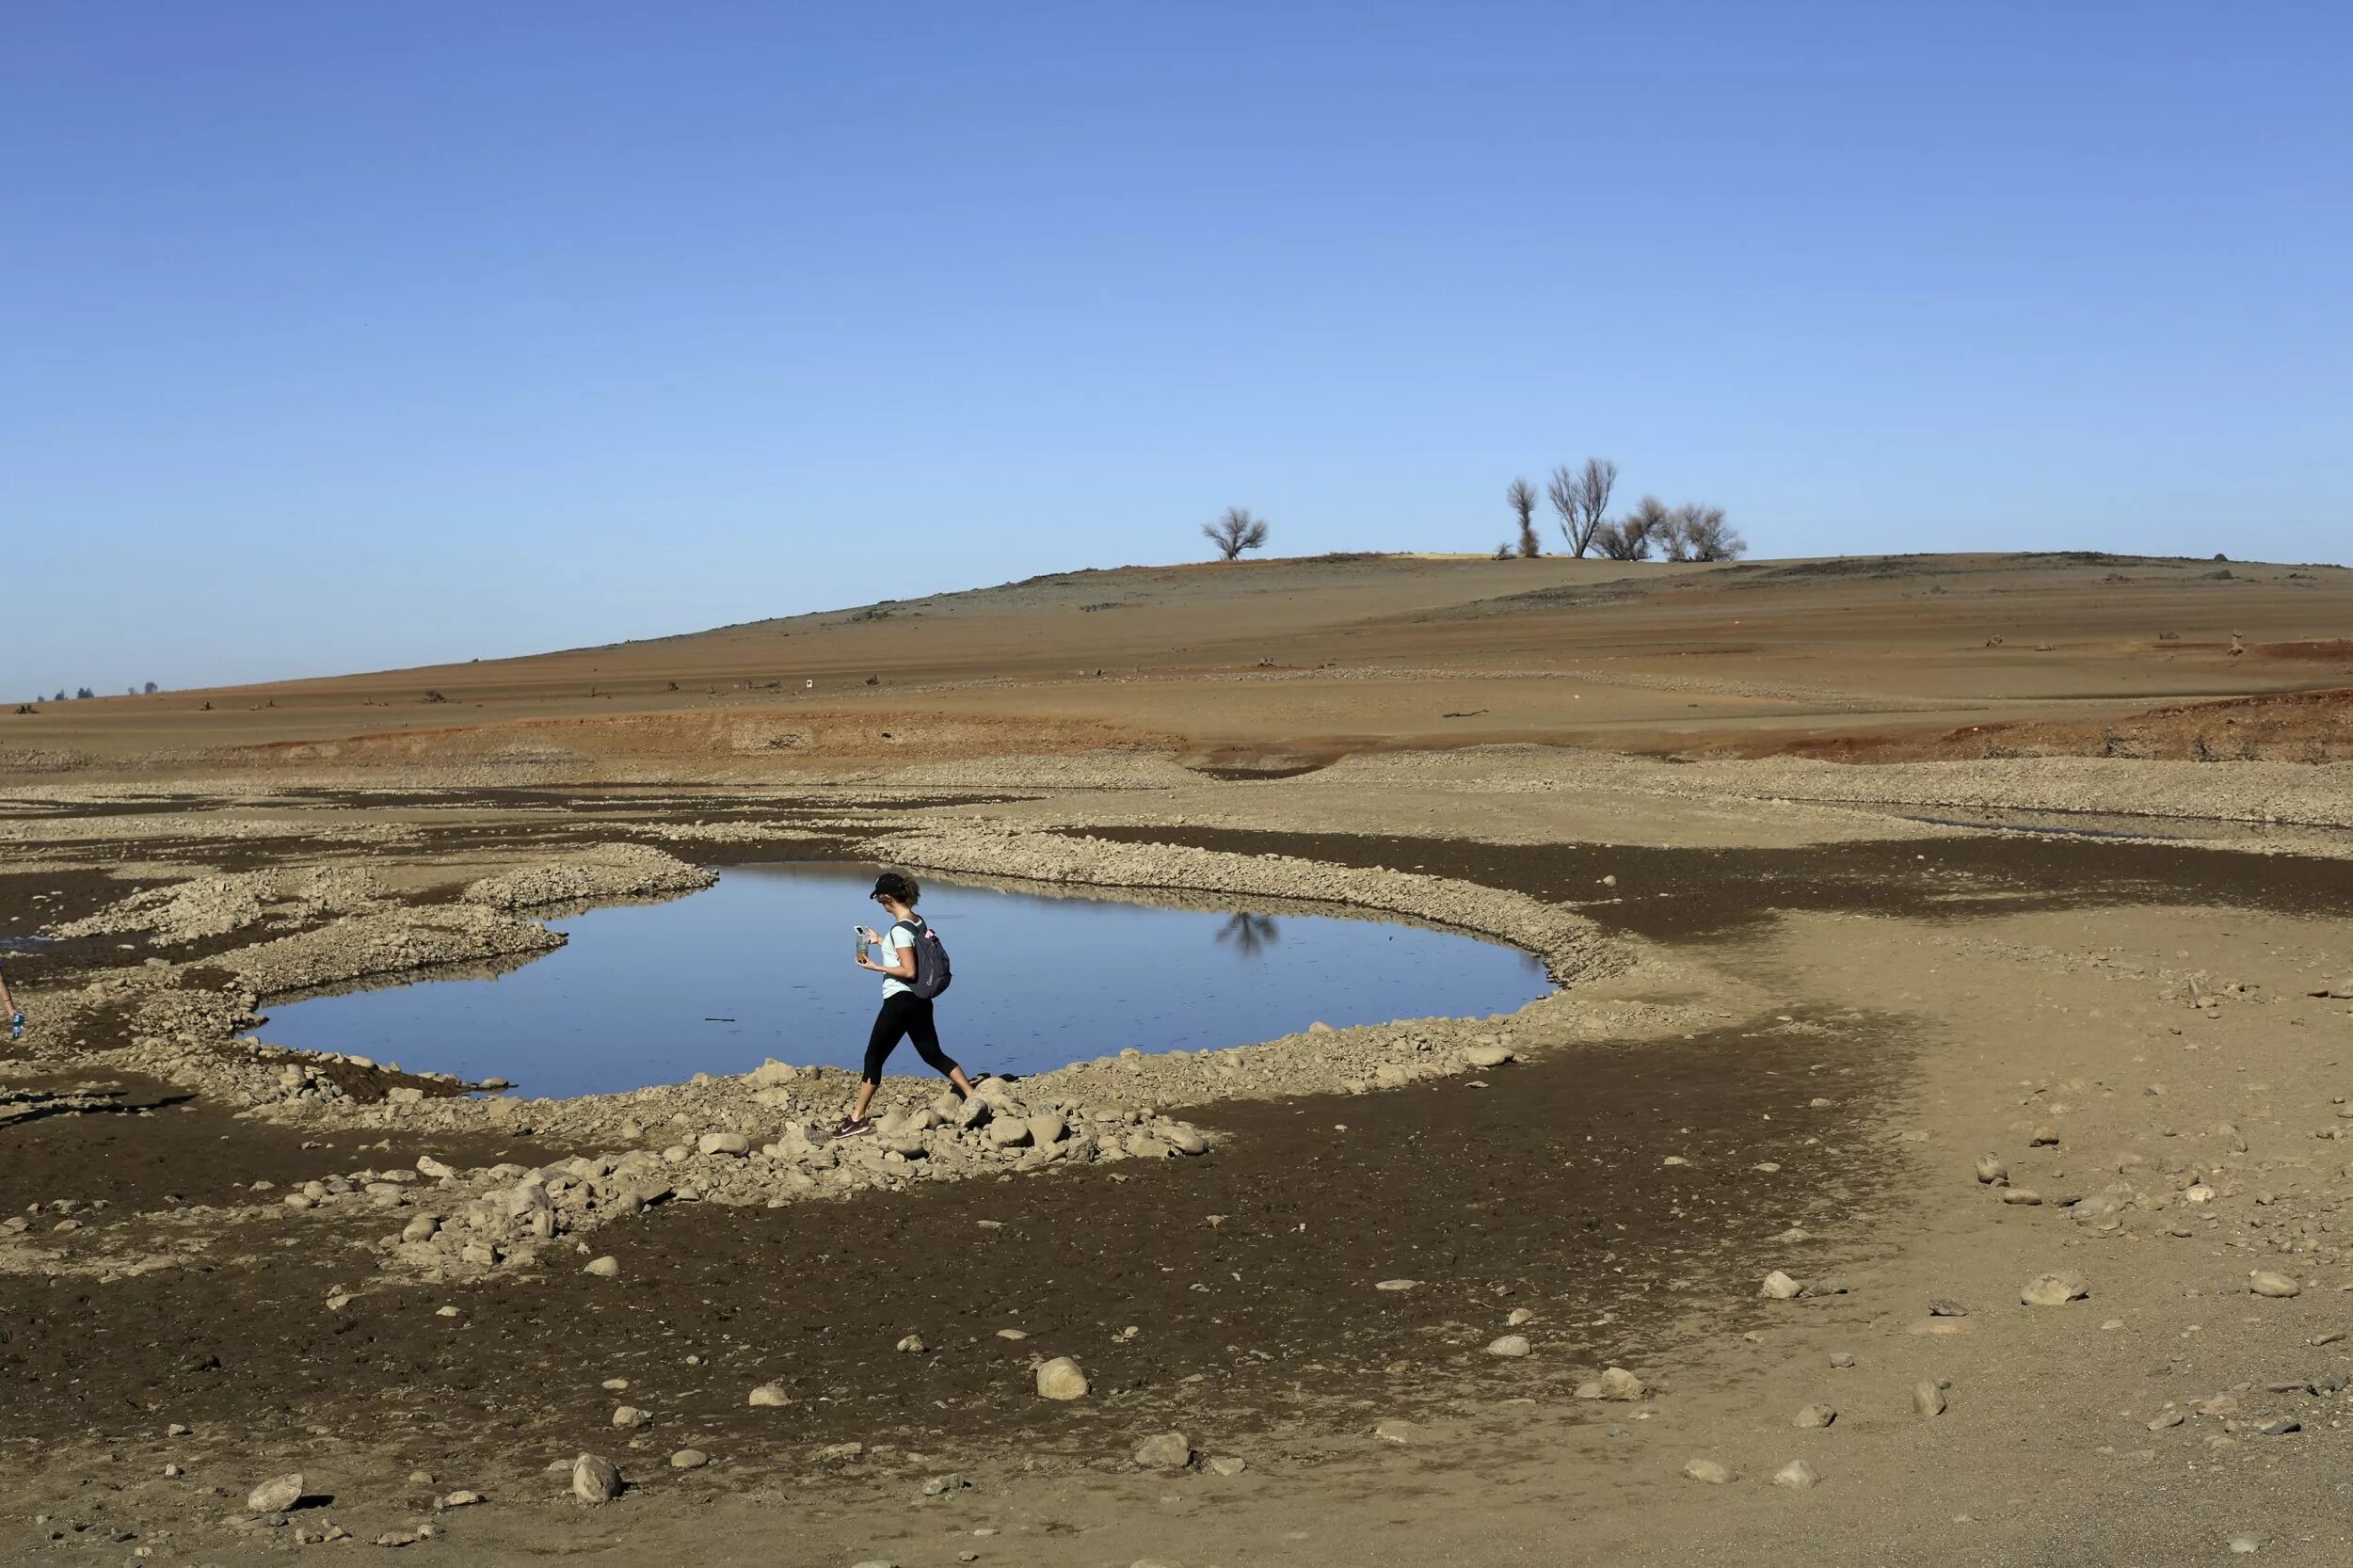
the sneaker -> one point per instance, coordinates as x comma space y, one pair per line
852, 1128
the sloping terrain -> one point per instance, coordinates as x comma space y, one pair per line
1303, 660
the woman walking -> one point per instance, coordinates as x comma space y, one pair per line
905, 1012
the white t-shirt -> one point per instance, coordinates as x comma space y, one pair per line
897, 939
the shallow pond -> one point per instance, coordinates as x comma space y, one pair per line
760, 966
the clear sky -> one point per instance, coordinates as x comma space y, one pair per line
342, 336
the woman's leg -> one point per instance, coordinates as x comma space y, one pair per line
926, 1033
891, 1024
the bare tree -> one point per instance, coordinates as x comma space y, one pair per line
1631, 536
1521, 496
1581, 498
1700, 534
1235, 531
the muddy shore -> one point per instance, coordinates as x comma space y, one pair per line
1768, 1056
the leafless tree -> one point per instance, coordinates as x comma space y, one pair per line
1631, 536
1521, 496
1700, 534
1581, 498
1235, 531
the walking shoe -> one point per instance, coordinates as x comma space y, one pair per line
852, 1128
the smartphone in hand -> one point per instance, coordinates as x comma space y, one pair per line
864, 937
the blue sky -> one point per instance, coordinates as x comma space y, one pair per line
337, 337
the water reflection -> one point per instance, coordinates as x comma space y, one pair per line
759, 967
1249, 935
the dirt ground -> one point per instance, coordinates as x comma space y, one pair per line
1801, 998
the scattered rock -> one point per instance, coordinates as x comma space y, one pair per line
1939, 1307
2054, 1290
1992, 1171
689, 1459
722, 1143
769, 1397
1779, 1287
1060, 1379
1396, 1430
276, 1494
607, 1267
1797, 1474
1842, 1358
2046, 1137
912, 1345
1705, 1470
1513, 1345
1228, 1464
1168, 1450
1614, 1383
1481, 1055
1928, 1397
594, 1480
628, 1417
1816, 1416
460, 1499
2264, 1282
1398, 1285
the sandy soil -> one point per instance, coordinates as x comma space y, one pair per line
1801, 999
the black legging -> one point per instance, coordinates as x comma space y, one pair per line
904, 1014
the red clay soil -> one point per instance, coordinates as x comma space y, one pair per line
2285, 727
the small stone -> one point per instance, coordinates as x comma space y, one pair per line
1842, 1358
1519, 1315
628, 1417
1939, 1307
1705, 1470
1992, 1171
607, 1267
1513, 1345
2166, 1421
461, 1498
1013, 1334
722, 1143
1816, 1416
594, 1480
1060, 1379
1168, 1450
769, 1397
912, 1345
398, 1537
2264, 1282
689, 1459
1396, 1430
1228, 1464
1779, 1287
2045, 1136
2243, 1545
1797, 1474
1486, 1056
1928, 1397
2022, 1197
276, 1494
1398, 1285
2053, 1290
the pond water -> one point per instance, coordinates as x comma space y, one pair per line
760, 966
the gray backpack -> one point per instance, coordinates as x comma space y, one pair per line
931, 973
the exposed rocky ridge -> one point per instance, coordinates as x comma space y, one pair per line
1572, 946
608, 871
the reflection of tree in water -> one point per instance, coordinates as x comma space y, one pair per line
1250, 933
